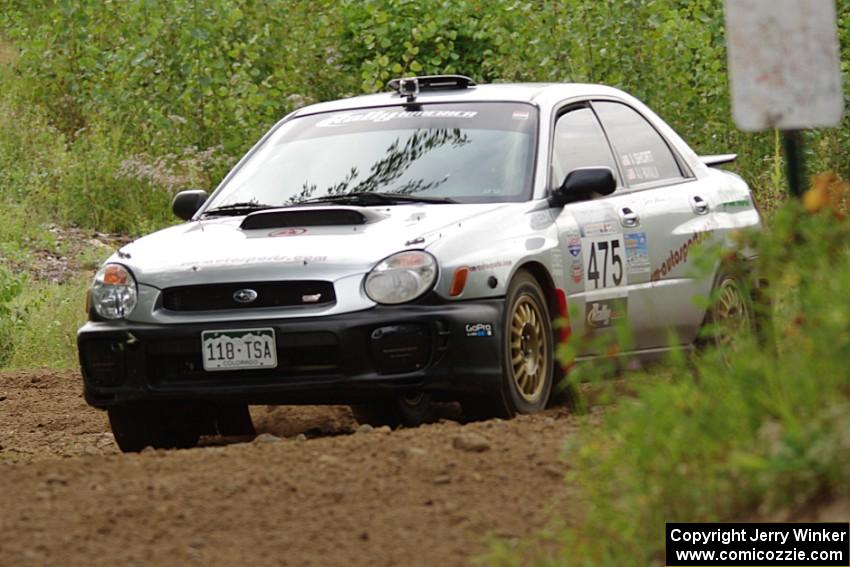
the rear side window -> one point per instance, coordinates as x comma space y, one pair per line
579, 142
643, 154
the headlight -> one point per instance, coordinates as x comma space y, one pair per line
401, 277
113, 293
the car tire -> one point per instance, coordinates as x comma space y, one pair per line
527, 353
136, 426
234, 419
409, 410
732, 310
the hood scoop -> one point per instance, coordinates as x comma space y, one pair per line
310, 216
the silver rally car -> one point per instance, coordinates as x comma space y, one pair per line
388, 250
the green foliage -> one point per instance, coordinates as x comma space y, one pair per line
397, 38
45, 331
758, 429
176, 74
11, 286
104, 82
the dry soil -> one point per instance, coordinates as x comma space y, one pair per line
310, 490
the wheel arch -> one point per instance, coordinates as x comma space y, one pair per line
547, 284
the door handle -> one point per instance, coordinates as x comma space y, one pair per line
699, 205
629, 218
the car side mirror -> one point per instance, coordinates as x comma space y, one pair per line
582, 183
187, 203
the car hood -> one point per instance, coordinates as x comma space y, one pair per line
219, 250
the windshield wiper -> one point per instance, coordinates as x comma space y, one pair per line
367, 198
237, 209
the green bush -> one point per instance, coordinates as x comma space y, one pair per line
46, 330
761, 430
145, 80
11, 287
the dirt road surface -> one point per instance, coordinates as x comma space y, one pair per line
311, 491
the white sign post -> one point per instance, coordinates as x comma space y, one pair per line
784, 69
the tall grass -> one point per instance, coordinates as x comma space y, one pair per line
45, 333
757, 429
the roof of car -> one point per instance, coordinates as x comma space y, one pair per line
541, 94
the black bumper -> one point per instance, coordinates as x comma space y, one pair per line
349, 358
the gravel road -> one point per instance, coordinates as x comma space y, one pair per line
311, 489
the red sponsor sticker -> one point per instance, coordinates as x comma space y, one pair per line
288, 232
577, 272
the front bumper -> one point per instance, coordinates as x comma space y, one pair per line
342, 359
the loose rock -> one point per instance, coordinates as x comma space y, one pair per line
442, 479
471, 442
266, 438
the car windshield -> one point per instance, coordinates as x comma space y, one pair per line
467, 153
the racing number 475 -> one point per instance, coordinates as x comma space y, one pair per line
611, 263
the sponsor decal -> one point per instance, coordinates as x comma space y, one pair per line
637, 253
292, 231
540, 220
520, 115
557, 260
574, 245
736, 204
576, 271
678, 256
490, 265
479, 330
602, 313
600, 228
240, 260
386, 116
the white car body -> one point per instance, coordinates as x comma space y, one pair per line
648, 282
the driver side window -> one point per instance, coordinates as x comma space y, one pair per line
579, 142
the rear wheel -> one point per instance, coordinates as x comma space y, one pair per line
161, 426
527, 355
732, 312
409, 409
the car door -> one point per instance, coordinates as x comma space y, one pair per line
597, 236
672, 214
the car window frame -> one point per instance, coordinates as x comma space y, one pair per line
686, 174
560, 112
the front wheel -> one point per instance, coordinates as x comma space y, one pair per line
410, 409
140, 425
528, 354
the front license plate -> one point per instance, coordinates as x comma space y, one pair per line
239, 349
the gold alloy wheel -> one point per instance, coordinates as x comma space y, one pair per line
529, 346
731, 312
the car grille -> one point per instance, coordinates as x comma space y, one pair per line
211, 297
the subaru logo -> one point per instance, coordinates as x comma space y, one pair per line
244, 296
